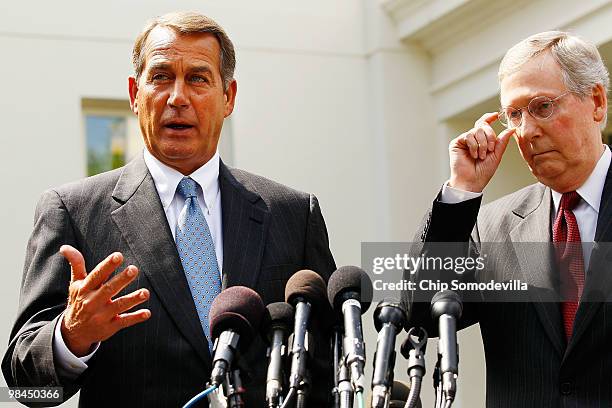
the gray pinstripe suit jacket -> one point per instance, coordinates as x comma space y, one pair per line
528, 361
269, 232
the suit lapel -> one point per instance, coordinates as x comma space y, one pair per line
535, 261
598, 283
245, 223
143, 224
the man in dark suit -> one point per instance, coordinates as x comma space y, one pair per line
76, 327
550, 348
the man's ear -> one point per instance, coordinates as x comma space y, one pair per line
230, 97
133, 90
600, 100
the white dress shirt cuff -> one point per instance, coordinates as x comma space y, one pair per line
68, 365
452, 195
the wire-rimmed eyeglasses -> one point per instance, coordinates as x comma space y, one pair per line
540, 107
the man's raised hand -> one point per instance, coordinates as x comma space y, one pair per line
92, 314
475, 155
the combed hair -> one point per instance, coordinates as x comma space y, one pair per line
187, 22
580, 62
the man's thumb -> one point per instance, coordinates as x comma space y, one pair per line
502, 141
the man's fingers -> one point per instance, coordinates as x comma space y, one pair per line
490, 136
487, 118
76, 261
128, 301
116, 284
103, 270
472, 144
129, 319
481, 139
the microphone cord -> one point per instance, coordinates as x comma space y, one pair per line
301, 401
289, 397
191, 402
438, 384
415, 391
359, 395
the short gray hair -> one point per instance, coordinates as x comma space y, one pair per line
580, 62
186, 22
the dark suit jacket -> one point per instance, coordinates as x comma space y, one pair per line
269, 232
528, 361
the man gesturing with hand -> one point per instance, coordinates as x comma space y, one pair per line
549, 347
92, 314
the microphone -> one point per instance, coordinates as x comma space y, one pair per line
236, 312
389, 320
343, 390
446, 306
277, 324
305, 290
349, 291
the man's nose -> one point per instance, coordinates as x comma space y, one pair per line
530, 127
178, 96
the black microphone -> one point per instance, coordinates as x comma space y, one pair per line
389, 320
236, 312
305, 290
350, 292
446, 306
277, 324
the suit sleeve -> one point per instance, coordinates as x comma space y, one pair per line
446, 231
29, 360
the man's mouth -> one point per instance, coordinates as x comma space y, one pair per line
541, 154
178, 126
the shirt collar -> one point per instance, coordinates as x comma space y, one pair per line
166, 179
592, 189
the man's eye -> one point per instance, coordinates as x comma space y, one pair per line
545, 106
159, 77
514, 114
199, 78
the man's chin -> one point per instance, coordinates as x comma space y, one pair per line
557, 179
186, 161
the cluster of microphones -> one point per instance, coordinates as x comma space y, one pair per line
238, 314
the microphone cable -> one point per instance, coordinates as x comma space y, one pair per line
192, 402
289, 397
360, 400
437, 381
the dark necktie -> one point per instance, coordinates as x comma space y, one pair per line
568, 251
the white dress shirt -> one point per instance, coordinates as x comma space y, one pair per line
586, 211
209, 196
166, 180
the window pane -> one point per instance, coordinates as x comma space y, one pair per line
106, 143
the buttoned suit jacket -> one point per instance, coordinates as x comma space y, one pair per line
269, 232
529, 363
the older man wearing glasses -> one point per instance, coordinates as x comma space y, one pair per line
553, 348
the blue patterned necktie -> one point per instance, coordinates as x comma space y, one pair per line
197, 251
